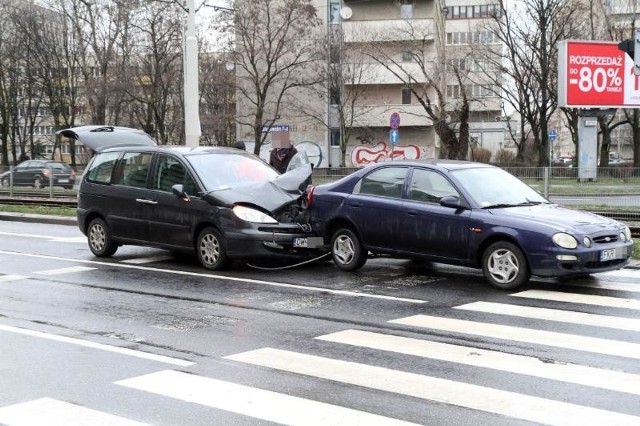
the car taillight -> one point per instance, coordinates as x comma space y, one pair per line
46, 172
310, 190
73, 173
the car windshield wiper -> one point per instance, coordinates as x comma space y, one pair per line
506, 205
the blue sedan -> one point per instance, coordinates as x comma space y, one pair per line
462, 213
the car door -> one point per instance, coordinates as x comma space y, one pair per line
23, 173
428, 227
375, 206
129, 197
172, 219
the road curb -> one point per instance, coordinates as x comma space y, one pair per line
39, 218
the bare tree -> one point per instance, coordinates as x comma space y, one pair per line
274, 52
217, 93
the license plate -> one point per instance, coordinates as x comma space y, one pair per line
63, 180
308, 242
607, 255
300, 242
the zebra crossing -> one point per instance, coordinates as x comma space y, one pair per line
338, 364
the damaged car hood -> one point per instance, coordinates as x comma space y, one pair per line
273, 195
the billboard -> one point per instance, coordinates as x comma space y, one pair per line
596, 74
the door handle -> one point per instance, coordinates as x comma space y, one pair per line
145, 201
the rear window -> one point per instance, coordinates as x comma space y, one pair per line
101, 168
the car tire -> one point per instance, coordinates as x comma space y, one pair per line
99, 237
5, 182
37, 183
347, 251
505, 266
211, 249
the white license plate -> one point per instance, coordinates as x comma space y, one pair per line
608, 255
300, 242
63, 180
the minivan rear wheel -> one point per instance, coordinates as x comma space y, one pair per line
211, 249
99, 237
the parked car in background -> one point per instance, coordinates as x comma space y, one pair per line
462, 213
218, 203
40, 174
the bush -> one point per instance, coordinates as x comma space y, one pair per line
481, 155
505, 157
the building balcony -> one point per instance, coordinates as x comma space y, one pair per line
388, 30
391, 74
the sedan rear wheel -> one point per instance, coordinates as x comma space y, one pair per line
99, 237
347, 251
505, 266
211, 250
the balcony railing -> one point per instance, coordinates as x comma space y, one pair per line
388, 30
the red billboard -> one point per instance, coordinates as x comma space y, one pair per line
596, 74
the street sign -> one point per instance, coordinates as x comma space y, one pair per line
553, 135
394, 121
394, 135
276, 128
596, 74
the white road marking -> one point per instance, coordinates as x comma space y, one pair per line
519, 364
257, 403
81, 239
608, 285
50, 412
527, 335
143, 260
98, 346
585, 299
7, 278
61, 271
572, 317
223, 277
461, 394
620, 273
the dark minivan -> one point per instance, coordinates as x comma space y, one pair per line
219, 203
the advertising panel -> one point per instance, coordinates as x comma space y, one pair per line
595, 74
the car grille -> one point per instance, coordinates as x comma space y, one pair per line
604, 239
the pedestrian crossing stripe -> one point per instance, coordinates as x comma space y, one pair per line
252, 402
526, 335
620, 273
7, 278
608, 285
61, 271
50, 412
585, 299
506, 403
495, 360
547, 314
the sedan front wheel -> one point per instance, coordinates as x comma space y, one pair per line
505, 266
347, 251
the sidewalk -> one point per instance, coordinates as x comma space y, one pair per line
71, 221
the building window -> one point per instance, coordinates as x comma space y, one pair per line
407, 56
406, 96
335, 137
406, 9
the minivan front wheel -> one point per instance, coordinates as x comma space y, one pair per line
99, 237
211, 250
505, 266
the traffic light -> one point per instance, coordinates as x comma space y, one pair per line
632, 47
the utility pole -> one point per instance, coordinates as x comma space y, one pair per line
191, 93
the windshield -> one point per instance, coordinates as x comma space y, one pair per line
223, 170
493, 187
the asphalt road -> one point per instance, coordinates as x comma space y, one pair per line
146, 337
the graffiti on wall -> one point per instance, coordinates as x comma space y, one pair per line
383, 151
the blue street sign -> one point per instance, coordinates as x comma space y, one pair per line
394, 121
553, 135
394, 135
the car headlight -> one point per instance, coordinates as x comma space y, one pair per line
565, 240
252, 215
627, 233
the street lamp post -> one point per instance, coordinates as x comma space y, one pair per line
191, 94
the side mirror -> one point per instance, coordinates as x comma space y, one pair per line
451, 201
178, 191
